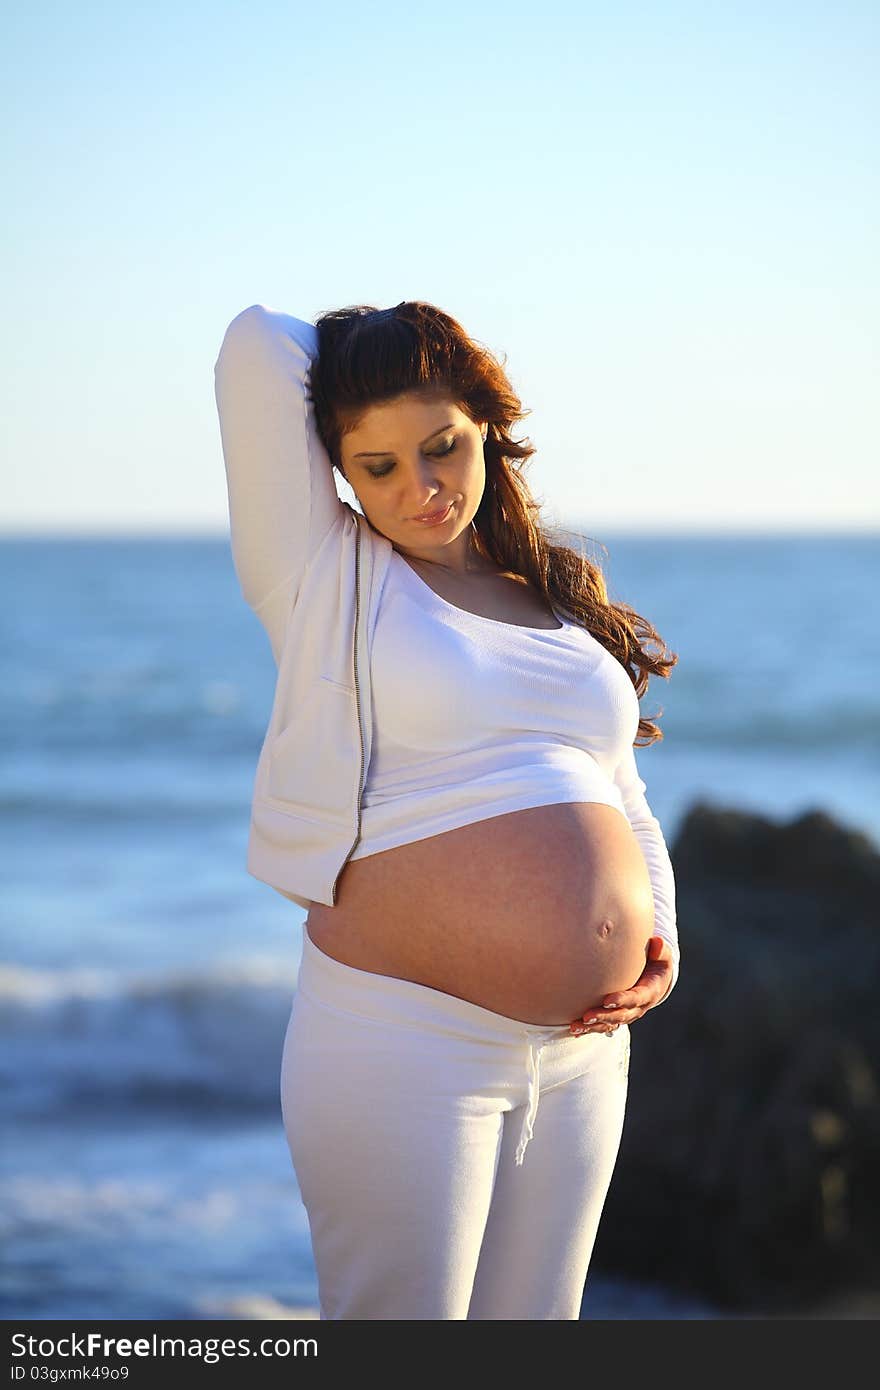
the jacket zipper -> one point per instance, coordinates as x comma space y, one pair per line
357, 613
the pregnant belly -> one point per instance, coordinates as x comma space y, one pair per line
535, 914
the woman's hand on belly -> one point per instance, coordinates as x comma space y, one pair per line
629, 1005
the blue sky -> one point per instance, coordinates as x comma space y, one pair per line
665, 216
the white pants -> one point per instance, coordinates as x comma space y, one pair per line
435, 1187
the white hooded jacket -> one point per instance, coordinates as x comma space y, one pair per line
312, 569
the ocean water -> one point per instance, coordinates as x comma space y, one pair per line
146, 978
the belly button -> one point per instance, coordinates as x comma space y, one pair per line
605, 929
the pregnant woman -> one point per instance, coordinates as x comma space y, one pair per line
448, 786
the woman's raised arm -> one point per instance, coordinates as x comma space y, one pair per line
282, 494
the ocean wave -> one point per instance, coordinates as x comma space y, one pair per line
69, 807
199, 1041
850, 728
130, 732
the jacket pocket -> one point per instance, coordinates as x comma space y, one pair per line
339, 685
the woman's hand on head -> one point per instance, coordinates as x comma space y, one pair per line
629, 1005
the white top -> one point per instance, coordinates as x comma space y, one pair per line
473, 716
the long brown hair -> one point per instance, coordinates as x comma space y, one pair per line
367, 356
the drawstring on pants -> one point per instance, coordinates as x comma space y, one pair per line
534, 1066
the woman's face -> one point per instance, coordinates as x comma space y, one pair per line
414, 455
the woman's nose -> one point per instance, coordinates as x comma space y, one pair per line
427, 484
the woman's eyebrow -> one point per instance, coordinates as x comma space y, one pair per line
385, 452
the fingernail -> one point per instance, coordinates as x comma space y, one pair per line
588, 1021
609, 1006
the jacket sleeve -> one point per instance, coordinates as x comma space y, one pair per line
280, 484
653, 846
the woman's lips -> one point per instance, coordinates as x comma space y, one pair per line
435, 518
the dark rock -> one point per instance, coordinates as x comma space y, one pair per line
749, 1171
811, 853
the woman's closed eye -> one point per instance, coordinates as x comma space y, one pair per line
386, 468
